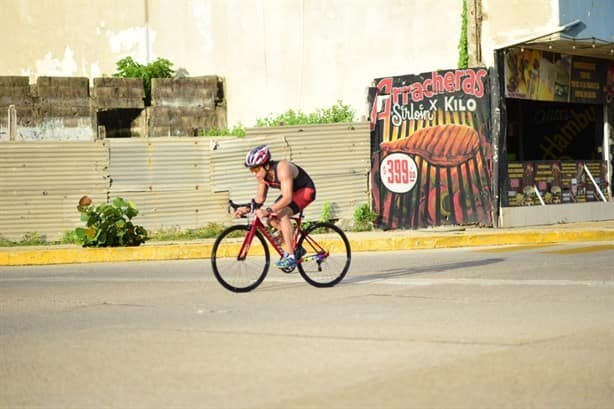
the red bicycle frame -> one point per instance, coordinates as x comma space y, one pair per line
257, 225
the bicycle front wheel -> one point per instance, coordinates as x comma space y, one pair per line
237, 265
327, 254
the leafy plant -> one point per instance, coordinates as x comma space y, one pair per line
338, 113
327, 211
28, 239
211, 230
160, 68
238, 130
109, 225
325, 216
32, 239
69, 237
364, 218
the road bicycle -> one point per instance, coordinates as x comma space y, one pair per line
241, 258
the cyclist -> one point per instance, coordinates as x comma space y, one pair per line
297, 191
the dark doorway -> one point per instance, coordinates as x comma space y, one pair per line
120, 123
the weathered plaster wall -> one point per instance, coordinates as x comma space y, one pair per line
274, 54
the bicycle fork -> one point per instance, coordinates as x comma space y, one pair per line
246, 244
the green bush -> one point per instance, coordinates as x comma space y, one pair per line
338, 113
128, 68
109, 225
238, 130
33, 239
211, 230
327, 212
364, 218
28, 239
69, 237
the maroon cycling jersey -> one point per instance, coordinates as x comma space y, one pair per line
302, 180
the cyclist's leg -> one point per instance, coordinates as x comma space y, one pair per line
300, 200
303, 197
283, 223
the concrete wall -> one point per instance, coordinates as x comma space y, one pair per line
15, 91
184, 106
508, 21
274, 54
553, 214
61, 108
55, 108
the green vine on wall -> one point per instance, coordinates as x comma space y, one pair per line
463, 53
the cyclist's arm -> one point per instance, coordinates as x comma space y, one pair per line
285, 174
261, 192
260, 197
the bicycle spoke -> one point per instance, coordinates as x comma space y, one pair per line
327, 257
235, 273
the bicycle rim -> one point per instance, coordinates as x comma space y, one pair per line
328, 255
235, 272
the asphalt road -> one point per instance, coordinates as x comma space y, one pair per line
505, 327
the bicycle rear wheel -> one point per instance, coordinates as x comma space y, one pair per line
327, 255
239, 268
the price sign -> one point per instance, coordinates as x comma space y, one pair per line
398, 172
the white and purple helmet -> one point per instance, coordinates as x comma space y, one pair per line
257, 156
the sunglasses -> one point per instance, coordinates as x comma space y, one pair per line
255, 169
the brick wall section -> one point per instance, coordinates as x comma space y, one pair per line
116, 101
60, 108
64, 98
185, 106
118, 93
15, 90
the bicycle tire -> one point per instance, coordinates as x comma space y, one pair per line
327, 258
239, 276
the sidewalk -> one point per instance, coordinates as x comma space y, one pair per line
430, 238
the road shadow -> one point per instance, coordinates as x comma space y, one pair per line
436, 268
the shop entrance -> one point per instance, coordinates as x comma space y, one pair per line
546, 131
554, 153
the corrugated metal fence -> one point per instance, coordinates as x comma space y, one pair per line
182, 182
41, 183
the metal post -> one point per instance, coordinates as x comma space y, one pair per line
12, 123
588, 172
539, 196
102, 133
607, 141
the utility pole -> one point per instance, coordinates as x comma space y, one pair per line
474, 32
147, 46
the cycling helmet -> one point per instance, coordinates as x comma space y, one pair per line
257, 156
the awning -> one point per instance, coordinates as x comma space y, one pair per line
562, 40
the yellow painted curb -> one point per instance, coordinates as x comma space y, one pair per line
23, 256
479, 239
20, 256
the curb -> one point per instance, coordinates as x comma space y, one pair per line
481, 239
18, 256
